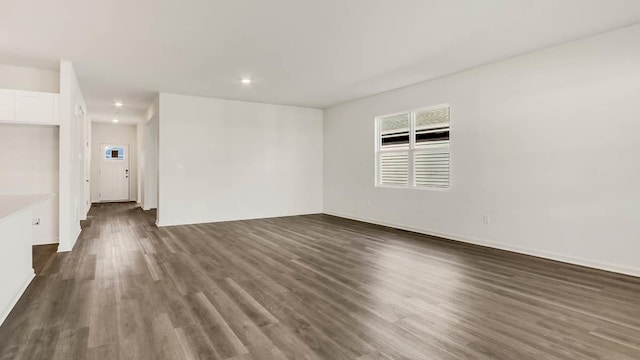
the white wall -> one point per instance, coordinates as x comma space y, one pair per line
30, 79
29, 165
140, 154
150, 196
73, 117
149, 182
87, 166
16, 271
546, 143
109, 133
227, 160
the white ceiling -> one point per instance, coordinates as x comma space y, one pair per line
299, 52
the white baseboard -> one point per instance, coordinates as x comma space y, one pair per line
147, 207
5, 312
209, 221
591, 263
45, 241
67, 248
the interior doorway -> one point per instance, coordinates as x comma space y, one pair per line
114, 172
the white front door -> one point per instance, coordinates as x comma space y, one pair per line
114, 172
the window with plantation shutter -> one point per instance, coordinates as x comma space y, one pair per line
431, 147
413, 148
431, 166
394, 132
394, 168
393, 160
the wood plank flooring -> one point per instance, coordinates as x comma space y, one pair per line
41, 255
310, 287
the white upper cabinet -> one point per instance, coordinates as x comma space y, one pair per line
28, 107
7, 105
36, 108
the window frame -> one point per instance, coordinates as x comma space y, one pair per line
411, 182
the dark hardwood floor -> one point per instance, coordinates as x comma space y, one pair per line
41, 255
311, 287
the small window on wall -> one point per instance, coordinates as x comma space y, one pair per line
114, 153
413, 148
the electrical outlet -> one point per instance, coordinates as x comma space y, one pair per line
36, 221
486, 219
369, 203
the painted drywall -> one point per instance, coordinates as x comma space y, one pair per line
149, 155
546, 143
29, 165
228, 160
73, 119
150, 196
87, 166
15, 259
140, 168
30, 79
109, 133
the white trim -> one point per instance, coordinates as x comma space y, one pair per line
29, 92
45, 241
30, 276
421, 188
433, 107
590, 263
376, 151
86, 214
426, 108
75, 238
158, 224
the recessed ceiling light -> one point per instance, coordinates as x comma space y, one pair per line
115, 120
246, 81
118, 104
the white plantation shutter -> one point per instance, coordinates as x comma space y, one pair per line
435, 117
413, 148
394, 132
394, 168
431, 166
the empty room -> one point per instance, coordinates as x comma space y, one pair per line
297, 179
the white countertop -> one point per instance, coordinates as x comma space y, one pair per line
11, 204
